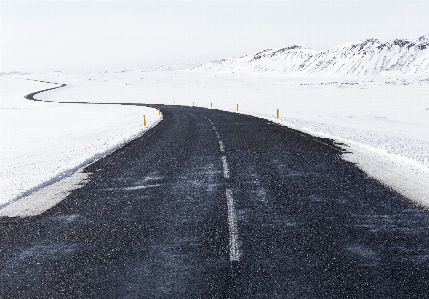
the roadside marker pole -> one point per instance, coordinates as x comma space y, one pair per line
236, 109
159, 112
211, 105
144, 120
277, 113
150, 105
193, 103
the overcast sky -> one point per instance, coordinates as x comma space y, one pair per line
87, 36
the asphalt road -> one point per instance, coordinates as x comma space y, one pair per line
212, 204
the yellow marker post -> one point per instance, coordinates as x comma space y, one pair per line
277, 114
211, 105
144, 120
236, 109
159, 112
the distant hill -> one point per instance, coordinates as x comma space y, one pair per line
370, 57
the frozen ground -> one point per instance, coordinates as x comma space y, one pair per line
44, 142
383, 122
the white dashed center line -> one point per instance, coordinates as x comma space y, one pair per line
234, 251
225, 168
222, 147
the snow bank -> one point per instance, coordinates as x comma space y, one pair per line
42, 143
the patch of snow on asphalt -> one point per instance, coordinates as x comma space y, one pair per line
44, 198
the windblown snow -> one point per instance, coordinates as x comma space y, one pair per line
364, 58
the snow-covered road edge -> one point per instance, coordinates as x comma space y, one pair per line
41, 198
45, 195
404, 175
48, 194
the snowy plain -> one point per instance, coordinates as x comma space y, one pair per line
383, 122
42, 143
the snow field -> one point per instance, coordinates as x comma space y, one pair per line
44, 142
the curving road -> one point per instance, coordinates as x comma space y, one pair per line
212, 204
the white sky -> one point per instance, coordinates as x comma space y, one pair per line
104, 35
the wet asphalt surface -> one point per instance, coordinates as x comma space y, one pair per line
153, 221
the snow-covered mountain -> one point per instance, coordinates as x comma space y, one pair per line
364, 58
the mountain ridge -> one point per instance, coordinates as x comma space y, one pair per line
369, 57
